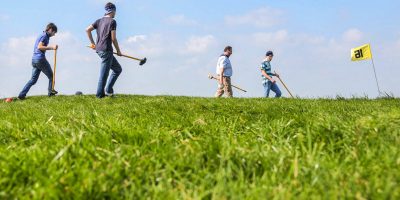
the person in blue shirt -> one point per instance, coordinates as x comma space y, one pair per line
269, 83
224, 72
39, 61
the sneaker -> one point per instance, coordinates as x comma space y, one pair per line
53, 93
110, 95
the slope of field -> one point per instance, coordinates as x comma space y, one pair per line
137, 147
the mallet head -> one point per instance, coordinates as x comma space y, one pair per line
143, 61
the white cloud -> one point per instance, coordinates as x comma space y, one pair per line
16, 50
136, 38
261, 18
352, 35
271, 37
180, 20
200, 44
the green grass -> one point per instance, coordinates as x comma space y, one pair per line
137, 147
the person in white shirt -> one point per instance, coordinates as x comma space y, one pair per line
224, 71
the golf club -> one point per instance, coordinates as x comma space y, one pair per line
212, 77
141, 61
284, 85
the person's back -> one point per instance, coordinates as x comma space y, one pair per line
106, 28
103, 27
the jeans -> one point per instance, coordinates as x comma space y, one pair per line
268, 86
38, 66
108, 62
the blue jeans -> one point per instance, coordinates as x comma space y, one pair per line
38, 66
268, 86
108, 62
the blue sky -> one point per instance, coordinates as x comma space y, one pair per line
182, 40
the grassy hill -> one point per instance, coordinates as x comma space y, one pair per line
136, 147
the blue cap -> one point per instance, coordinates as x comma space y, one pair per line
269, 53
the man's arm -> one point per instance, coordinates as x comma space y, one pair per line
267, 76
115, 42
89, 30
41, 47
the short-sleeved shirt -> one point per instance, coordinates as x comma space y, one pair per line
38, 54
104, 26
266, 66
224, 63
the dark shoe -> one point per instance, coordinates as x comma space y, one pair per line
53, 93
21, 98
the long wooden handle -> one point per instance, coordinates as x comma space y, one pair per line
126, 56
55, 68
212, 77
284, 85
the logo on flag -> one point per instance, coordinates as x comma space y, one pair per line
361, 53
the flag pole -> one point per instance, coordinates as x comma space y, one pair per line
376, 78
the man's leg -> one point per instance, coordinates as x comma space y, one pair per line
220, 91
276, 89
106, 60
116, 71
228, 87
46, 69
31, 82
268, 88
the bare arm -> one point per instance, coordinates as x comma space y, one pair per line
267, 76
115, 42
41, 47
89, 30
221, 76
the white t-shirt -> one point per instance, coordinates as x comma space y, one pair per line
224, 63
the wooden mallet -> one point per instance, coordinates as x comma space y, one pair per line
215, 78
284, 85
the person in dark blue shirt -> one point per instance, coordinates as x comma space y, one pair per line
269, 83
39, 61
106, 28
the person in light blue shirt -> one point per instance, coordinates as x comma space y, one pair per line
39, 61
224, 72
269, 83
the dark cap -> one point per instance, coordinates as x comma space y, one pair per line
110, 7
269, 53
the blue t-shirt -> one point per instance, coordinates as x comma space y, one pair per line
266, 66
38, 54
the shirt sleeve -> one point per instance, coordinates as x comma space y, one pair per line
95, 24
263, 67
113, 25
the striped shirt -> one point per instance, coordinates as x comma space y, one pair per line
266, 66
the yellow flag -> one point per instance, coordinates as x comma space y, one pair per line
361, 53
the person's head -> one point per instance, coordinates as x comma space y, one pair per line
228, 51
110, 9
51, 29
269, 55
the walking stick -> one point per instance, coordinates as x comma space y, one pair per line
212, 77
284, 85
55, 67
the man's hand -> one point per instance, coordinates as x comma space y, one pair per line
93, 46
55, 47
119, 53
273, 80
276, 74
